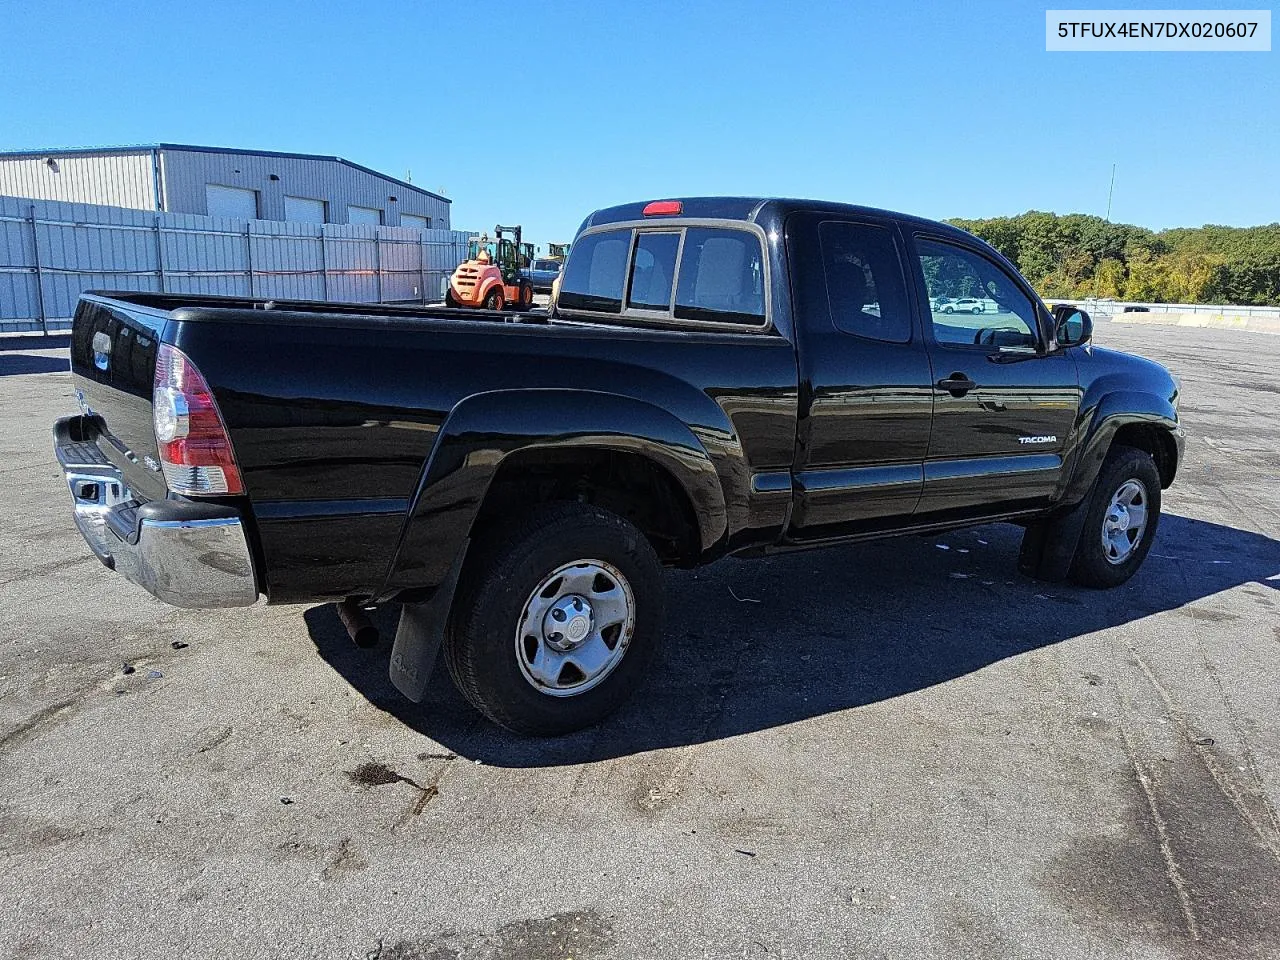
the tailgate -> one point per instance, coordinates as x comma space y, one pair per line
113, 361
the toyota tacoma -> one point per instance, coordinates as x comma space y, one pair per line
715, 376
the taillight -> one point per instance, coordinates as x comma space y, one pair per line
195, 451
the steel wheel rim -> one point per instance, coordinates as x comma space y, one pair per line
1125, 521
575, 628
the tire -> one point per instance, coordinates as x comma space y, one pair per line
976, 310
450, 300
948, 309
526, 295
494, 299
1101, 564
502, 597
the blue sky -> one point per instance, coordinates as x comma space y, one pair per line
539, 113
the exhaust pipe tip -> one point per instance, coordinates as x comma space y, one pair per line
359, 627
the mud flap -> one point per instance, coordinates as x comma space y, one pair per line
1049, 546
419, 635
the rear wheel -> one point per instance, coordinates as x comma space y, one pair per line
450, 300
557, 620
1121, 521
494, 300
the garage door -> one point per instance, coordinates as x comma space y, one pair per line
231, 202
303, 209
413, 220
368, 216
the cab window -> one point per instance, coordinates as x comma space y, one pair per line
699, 274
653, 269
972, 301
594, 275
865, 288
721, 277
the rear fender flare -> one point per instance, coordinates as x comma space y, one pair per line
484, 429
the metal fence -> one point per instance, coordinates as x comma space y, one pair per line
51, 252
1108, 308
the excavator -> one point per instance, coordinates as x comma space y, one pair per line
490, 276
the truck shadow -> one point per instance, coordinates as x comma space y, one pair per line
755, 645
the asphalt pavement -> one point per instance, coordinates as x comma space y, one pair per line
901, 749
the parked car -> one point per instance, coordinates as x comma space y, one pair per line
710, 382
1132, 309
542, 273
964, 305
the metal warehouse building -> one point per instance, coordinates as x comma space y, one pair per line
222, 182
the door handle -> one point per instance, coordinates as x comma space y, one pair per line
957, 385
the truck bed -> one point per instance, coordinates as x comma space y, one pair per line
321, 310
334, 411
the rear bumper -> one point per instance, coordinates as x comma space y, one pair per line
185, 553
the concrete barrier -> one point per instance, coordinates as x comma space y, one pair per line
1216, 321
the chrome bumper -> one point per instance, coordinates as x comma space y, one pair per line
185, 553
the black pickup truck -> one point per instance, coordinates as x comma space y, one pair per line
715, 376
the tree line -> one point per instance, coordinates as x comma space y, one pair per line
1078, 255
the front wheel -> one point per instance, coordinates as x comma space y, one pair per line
557, 620
526, 295
1121, 521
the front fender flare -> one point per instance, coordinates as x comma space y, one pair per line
484, 429
1100, 420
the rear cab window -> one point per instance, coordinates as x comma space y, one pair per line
684, 275
721, 277
595, 273
653, 271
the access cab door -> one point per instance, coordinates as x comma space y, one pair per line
1004, 407
866, 389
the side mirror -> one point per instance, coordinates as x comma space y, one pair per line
1073, 326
